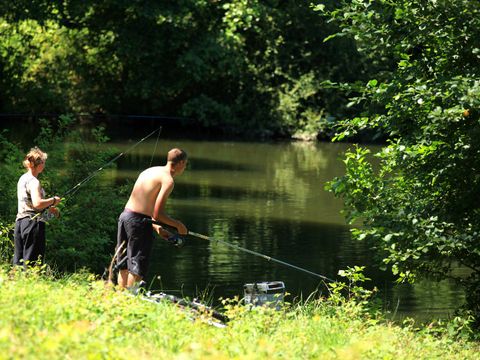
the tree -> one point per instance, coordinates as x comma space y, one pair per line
243, 67
420, 207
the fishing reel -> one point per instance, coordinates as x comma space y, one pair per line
176, 240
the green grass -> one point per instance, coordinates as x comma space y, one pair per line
77, 317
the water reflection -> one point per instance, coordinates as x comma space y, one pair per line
267, 197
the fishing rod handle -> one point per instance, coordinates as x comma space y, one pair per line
41, 212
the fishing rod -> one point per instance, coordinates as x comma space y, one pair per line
266, 257
94, 173
89, 177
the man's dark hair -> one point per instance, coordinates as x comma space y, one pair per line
176, 155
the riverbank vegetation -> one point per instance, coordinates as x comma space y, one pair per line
83, 318
419, 206
404, 71
249, 68
76, 316
77, 240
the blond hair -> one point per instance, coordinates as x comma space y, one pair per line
34, 158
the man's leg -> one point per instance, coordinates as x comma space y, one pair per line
123, 278
140, 239
133, 279
127, 279
121, 251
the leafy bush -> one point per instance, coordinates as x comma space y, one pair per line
84, 234
419, 207
6, 242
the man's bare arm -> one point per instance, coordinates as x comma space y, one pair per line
159, 213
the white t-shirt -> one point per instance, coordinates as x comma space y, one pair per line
25, 206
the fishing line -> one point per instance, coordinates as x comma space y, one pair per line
74, 189
266, 257
155, 149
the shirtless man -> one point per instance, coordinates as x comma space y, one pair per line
147, 202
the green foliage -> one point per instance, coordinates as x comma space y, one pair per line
419, 206
82, 236
49, 66
78, 317
352, 298
10, 170
242, 67
6, 242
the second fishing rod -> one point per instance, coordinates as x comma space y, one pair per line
75, 188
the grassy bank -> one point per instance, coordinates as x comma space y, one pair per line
77, 317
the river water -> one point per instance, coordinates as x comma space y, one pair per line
267, 197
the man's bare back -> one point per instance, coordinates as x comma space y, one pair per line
151, 191
147, 188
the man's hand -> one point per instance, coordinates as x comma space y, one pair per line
182, 229
161, 231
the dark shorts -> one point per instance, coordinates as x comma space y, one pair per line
29, 241
136, 231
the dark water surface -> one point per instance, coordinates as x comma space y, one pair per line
269, 198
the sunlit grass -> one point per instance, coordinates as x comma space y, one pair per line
45, 317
